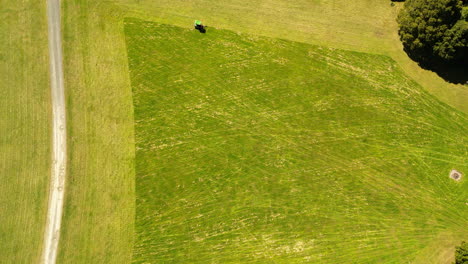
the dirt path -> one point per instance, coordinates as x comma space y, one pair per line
59, 137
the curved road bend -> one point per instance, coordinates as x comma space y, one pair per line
59, 136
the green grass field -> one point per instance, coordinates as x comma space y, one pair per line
310, 151
99, 213
24, 130
99, 209
259, 150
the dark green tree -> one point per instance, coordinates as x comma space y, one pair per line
461, 254
433, 30
454, 45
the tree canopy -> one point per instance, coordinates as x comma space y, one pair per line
461, 254
434, 31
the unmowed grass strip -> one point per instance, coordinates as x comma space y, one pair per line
258, 150
24, 130
99, 208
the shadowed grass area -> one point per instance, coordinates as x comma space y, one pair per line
259, 150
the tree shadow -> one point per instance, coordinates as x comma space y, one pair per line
456, 73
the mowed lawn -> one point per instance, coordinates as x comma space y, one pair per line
24, 130
258, 150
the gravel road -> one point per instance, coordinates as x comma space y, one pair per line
59, 136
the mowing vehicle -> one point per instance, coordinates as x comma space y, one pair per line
199, 26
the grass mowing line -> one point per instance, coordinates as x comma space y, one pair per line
258, 150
